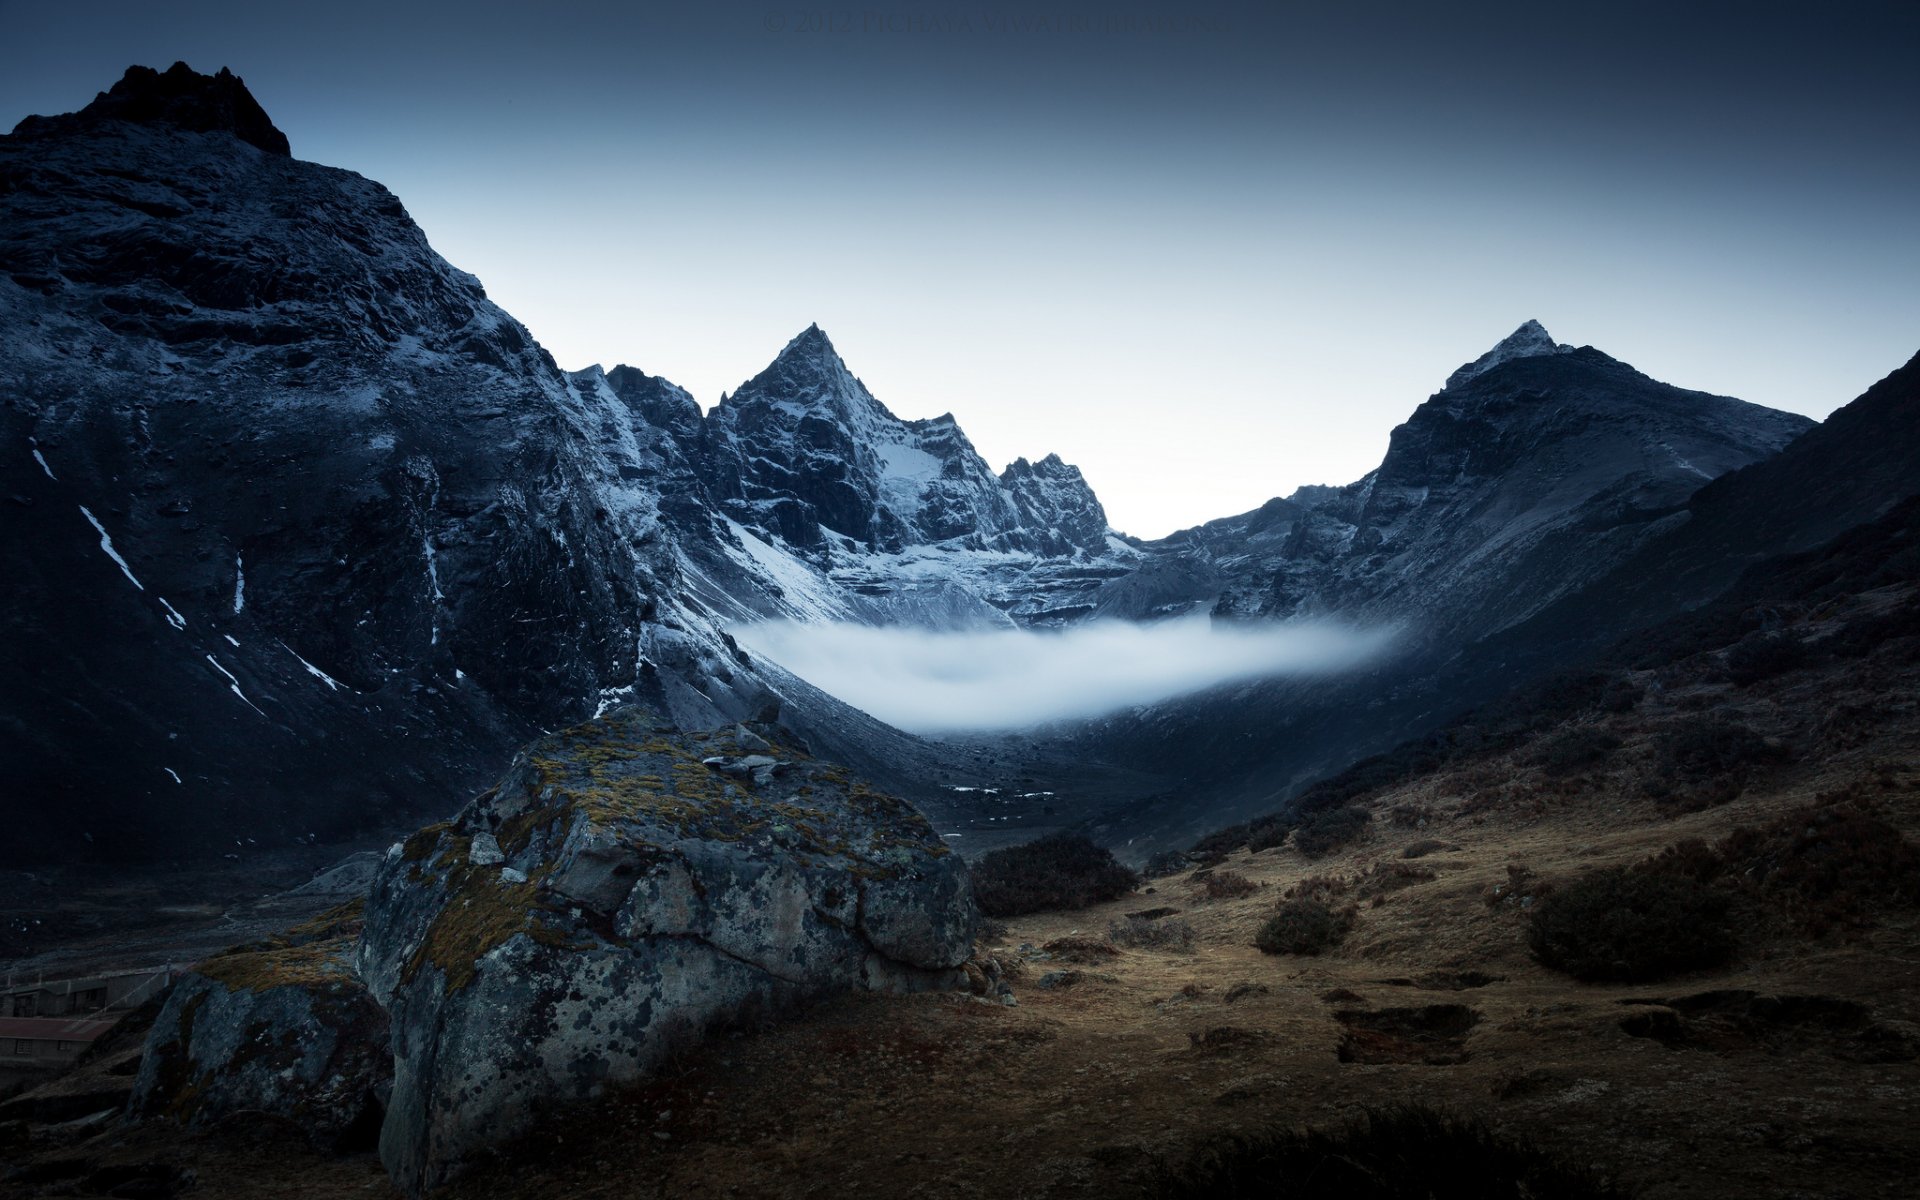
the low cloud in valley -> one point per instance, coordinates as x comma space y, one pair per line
931, 681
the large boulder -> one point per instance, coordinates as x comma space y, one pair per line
624, 891
283, 1027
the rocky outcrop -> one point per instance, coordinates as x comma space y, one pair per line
180, 97
283, 1027
623, 891
1531, 340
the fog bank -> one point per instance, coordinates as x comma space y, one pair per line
929, 682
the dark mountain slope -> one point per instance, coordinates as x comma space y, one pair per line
1533, 472
378, 539
1254, 747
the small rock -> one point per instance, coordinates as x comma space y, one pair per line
485, 850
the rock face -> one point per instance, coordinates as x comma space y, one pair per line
284, 1028
314, 534
894, 521
1537, 469
1531, 340
304, 526
623, 891
180, 97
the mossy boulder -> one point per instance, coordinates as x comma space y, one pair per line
283, 1027
625, 890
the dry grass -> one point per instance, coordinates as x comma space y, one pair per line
1089, 1090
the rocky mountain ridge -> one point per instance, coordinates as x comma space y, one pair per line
313, 534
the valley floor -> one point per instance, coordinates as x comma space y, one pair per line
1114, 1067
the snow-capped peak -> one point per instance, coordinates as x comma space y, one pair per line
809, 345
1531, 340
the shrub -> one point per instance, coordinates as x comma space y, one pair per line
1304, 926
1136, 933
1165, 863
1706, 760
1710, 746
1324, 888
1833, 866
1631, 926
1261, 833
1409, 816
1821, 866
1574, 749
1267, 832
1217, 845
1761, 656
1391, 1154
1227, 885
1621, 696
1384, 877
1059, 871
1325, 832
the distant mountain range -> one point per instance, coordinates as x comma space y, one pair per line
305, 534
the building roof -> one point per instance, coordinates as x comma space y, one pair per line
57, 1029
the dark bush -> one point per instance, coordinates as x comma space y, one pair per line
1324, 888
1060, 871
1227, 885
1711, 746
1265, 833
1631, 926
1304, 926
1761, 656
1393, 1154
1621, 696
1390, 876
1409, 816
1832, 866
1574, 749
1325, 832
1261, 833
1707, 760
1217, 845
1165, 863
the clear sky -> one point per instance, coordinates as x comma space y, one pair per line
1208, 253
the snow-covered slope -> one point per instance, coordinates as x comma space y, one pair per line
904, 519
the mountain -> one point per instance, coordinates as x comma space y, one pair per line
1250, 749
902, 520
304, 533
311, 534
1536, 468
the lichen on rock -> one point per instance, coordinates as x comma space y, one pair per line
282, 1026
652, 886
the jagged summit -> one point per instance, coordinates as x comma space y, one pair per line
809, 345
1531, 340
181, 97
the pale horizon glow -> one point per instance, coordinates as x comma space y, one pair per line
1207, 261
952, 681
